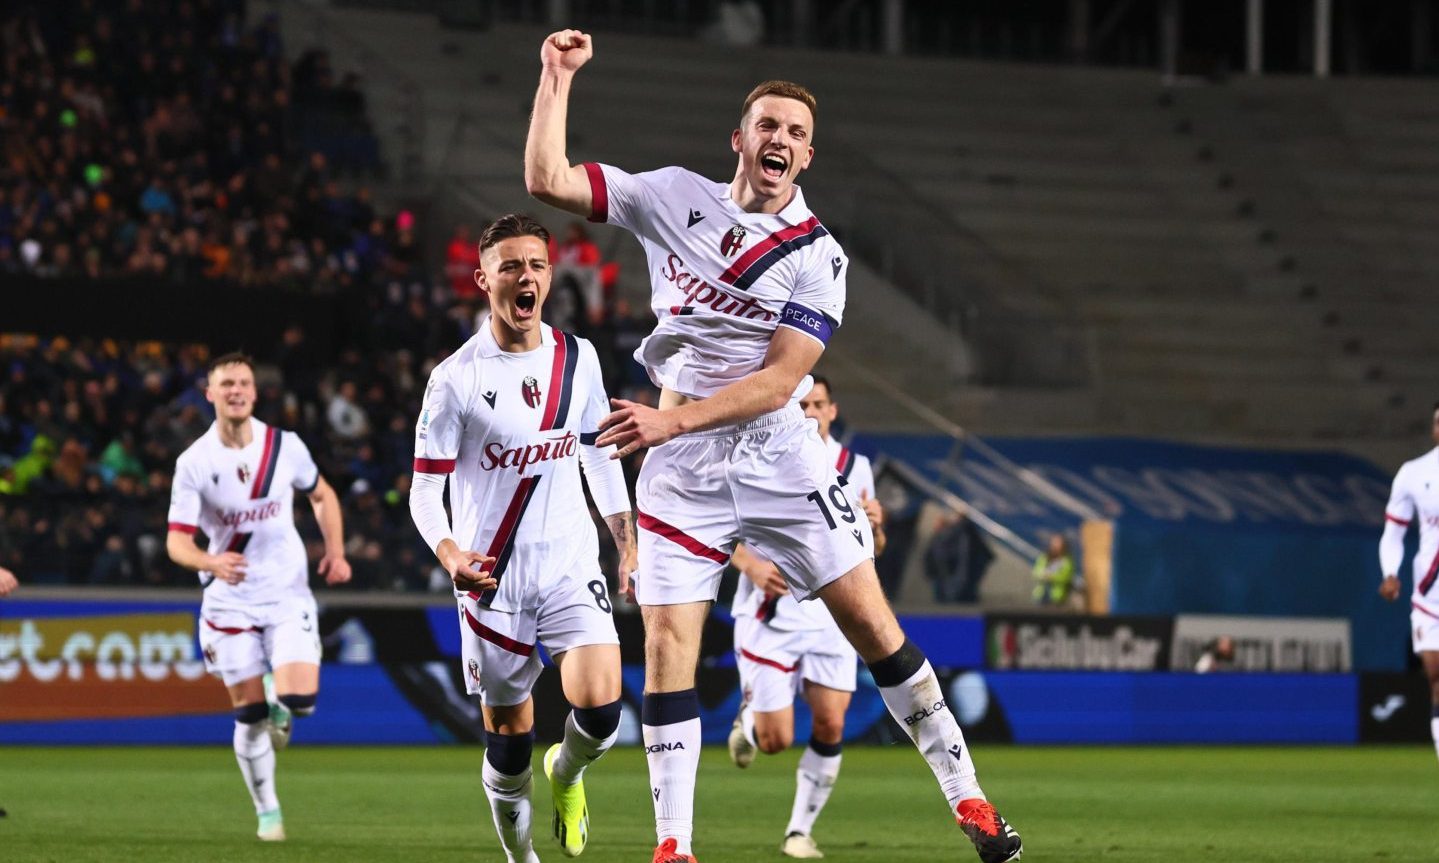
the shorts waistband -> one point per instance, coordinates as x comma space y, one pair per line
786, 415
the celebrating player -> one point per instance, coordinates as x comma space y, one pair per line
748, 287
1412, 499
782, 645
236, 484
511, 417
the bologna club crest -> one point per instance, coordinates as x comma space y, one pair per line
530, 389
243, 472
733, 239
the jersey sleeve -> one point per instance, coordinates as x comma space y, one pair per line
1400, 508
184, 499
861, 479
816, 307
304, 473
627, 200
597, 402
441, 424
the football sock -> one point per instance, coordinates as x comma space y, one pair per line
914, 698
589, 733
1434, 728
746, 724
255, 755
300, 705
814, 780
671, 725
507, 785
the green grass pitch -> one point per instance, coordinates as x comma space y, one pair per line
1145, 805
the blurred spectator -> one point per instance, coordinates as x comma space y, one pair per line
1218, 655
577, 275
1054, 573
460, 263
956, 560
347, 419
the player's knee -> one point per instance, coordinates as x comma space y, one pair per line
300, 705
249, 714
599, 722
828, 729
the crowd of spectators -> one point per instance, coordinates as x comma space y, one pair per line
164, 139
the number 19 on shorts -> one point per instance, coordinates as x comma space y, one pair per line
840, 504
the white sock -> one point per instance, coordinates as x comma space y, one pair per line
578, 751
746, 724
1434, 730
671, 728
918, 705
814, 780
256, 758
510, 804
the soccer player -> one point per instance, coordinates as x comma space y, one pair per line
782, 646
747, 287
1415, 497
510, 418
236, 484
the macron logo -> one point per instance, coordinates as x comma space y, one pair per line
695, 218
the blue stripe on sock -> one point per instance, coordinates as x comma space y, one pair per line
509, 753
598, 722
828, 750
668, 708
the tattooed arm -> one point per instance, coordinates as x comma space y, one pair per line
622, 528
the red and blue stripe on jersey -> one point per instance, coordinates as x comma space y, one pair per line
557, 411
757, 260
269, 459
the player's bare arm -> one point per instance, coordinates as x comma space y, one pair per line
326, 505
8, 582
227, 566
765, 575
549, 176
465, 567
790, 357
622, 528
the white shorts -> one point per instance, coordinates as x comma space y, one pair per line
1424, 629
241, 643
773, 663
769, 483
497, 648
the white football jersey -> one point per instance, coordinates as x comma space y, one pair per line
243, 501
1415, 495
784, 612
508, 427
722, 279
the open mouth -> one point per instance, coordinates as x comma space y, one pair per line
773, 166
525, 304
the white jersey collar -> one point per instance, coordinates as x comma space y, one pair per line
794, 212
489, 348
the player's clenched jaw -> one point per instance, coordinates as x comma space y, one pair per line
774, 143
515, 272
